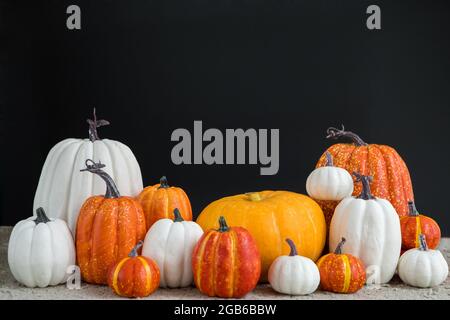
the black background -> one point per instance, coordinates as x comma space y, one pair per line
153, 66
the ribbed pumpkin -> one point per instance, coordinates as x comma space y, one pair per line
108, 228
391, 179
160, 200
226, 262
271, 217
415, 224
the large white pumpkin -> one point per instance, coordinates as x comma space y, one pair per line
62, 189
422, 267
372, 229
171, 243
40, 250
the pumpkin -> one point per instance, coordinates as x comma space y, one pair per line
134, 276
40, 250
372, 229
414, 224
423, 267
108, 228
160, 200
329, 182
294, 274
391, 179
341, 273
270, 217
171, 243
62, 190
226, 262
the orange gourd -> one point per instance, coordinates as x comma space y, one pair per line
226, 262
108, 227
159, 201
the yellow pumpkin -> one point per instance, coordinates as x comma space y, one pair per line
271, 217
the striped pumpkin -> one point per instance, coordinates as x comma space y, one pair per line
415, 224
391, 179
134, 276
226, 262
341, 273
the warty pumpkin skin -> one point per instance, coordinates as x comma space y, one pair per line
108, 228
160, 200
391, 179
226, 262
271, 217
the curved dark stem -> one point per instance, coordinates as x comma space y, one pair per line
134, 252
412, 209
111, 188
223, 225
93, 125
293, 248
163, 183
41, 216
177, 216
423, 243
365, 180
339, 246
329, 158
335, 133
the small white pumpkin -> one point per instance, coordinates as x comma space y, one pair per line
423, 267
171, 243
40, 250
329, 182
372, 229
294, 274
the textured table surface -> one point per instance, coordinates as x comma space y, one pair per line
10, 289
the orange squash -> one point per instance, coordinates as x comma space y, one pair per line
160, 200
108, 227
226, 262
134, 276
391, 179
271, 217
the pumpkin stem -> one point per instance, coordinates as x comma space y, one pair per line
365, 180
223, 225
329, 157
177, 216
163, 184
254, 196
292, 246
339, 246
412, 209
423, 243
41, 216
335, 133
133, 253
111, 188
93, 125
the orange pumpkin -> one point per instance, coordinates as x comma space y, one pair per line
341, 273
160, 200
134, 276
226, 262
108, 227
415, 224
391, 179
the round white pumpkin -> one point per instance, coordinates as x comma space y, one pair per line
40, 251
62, 189
171, 243
422, 267
372, 229
329, 182
294, 274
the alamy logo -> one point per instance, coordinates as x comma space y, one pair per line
228, 149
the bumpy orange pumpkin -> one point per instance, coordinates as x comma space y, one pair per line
341, 273
160, 200
415, 224
391, 179
134, 276
226, 262
271, 217
108, 227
